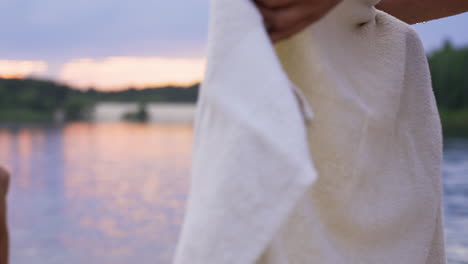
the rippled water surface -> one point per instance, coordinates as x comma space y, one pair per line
455, 178
96, 193
115, 193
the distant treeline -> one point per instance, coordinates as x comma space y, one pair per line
449, 70
31, 100
39, 100
171, 94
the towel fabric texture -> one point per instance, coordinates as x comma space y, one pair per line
325, 148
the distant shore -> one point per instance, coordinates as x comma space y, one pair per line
454, 122
157, 112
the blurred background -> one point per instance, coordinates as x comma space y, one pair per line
97, 99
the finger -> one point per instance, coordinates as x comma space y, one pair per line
273, 4
284, 18
282, 35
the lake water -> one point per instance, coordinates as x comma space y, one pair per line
115, 192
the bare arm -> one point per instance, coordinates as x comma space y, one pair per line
415, 11
284, 18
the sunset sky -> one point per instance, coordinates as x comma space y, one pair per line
112, 44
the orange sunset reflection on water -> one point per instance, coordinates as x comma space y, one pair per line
115, 193
96, 193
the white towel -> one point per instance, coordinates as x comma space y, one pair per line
324, 149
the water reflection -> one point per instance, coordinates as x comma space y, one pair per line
455, 177
115, 192
96, 193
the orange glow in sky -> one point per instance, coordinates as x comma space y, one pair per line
115, 73
20, 69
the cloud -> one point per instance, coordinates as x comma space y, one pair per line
63, 30
20, 69
114, 73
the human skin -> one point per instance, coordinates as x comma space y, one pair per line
4, 182
284, 18
416, 11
